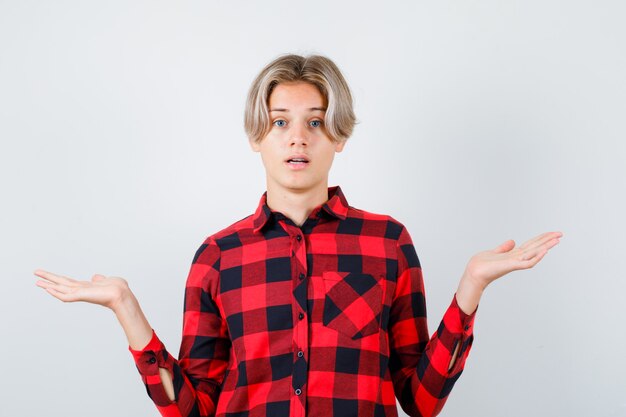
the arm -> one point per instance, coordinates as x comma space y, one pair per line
420, 366
187, 387
424, 371
112, 292
205, 348
487, 266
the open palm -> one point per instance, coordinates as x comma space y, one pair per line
105, 291
487, 266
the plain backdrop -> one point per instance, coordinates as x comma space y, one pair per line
122, 148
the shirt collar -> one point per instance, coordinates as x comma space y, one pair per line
336, 206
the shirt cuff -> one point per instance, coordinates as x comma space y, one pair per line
152, 357
457, 321
456, 330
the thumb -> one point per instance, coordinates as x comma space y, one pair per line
97, 278
505, 247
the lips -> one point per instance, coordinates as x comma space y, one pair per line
297, 159
297, 162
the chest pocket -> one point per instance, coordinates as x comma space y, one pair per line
353, 303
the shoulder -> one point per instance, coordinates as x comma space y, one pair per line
381, 224
226, 238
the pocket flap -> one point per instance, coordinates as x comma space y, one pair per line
353, 303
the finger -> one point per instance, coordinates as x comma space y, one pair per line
97, 278
505, 247
530, 253
541, 239
53, 277
65, 297
532, 256
533, 261
532, 242
51, 285
543, 244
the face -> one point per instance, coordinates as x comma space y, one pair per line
297, 153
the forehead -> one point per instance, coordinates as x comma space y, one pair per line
296, 94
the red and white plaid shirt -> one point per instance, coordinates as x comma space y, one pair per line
326, 319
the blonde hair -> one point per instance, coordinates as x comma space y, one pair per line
314, 69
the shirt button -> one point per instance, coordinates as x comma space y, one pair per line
298, 238
301, 277
298, 391
301, 316
300, 354
466, 328
152, 360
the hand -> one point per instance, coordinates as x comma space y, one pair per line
485, 267
111, 292
106, 291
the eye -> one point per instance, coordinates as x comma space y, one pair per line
280, 123
315, 123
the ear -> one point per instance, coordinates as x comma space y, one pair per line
339, 145
255, 146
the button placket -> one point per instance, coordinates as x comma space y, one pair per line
300, 336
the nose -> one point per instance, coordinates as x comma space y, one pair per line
298, 136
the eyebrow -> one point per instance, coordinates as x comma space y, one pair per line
311, 108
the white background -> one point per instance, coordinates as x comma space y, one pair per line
122, 148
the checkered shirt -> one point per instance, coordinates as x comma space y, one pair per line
325, 319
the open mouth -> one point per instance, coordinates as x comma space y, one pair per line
297, 161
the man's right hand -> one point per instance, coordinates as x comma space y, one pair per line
106, 291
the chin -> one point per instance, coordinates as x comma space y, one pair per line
298, 186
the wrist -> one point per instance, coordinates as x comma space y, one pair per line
469, 293
470, 281
125, 303
133, 321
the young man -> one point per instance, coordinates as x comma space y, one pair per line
308, 306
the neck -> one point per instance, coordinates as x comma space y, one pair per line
296, 206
